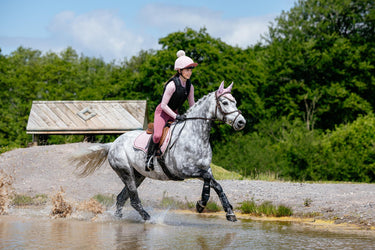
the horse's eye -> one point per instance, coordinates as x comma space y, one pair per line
225, 103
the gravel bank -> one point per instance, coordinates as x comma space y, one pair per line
44, 169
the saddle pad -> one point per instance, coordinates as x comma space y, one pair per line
141, 142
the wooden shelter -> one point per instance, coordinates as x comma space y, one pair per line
85, 117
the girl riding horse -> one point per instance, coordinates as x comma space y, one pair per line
176, 90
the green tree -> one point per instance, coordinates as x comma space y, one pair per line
322, 47
348, 152
18, 81
217, 62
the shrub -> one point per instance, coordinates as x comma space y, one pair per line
278, 149
265, 208
212, 207
25, 200
249, 155
289, 151
248, 207
283, 211
106, 200
348, 152
170, 202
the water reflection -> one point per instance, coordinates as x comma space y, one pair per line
167, 230
221, 242
130, 236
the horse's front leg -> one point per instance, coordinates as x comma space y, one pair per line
205, 196
224, 200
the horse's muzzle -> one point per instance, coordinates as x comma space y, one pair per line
239, 123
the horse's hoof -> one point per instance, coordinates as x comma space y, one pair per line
145, 215
231, 217
118, 214
199, 207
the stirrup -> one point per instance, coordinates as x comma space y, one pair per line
150, 164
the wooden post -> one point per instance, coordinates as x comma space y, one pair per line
35, 140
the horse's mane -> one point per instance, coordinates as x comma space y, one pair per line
199, 102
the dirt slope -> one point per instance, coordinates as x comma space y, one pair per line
44, 169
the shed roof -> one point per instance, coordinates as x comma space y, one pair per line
86, 117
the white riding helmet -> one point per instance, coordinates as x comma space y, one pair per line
183, 61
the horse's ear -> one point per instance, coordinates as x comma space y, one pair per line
221, 88
229, 89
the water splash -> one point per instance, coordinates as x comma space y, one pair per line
159, 218
106, 216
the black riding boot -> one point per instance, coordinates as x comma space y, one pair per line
150, 153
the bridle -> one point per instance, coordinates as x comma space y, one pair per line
218, 107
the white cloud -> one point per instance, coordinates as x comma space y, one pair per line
102, 33
246, 31
96, 33
173, 17
241, 32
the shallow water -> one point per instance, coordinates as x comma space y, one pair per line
31, 229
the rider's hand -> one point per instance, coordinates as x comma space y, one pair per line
181, 117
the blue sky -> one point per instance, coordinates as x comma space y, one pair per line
118, 29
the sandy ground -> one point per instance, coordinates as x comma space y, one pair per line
44, 169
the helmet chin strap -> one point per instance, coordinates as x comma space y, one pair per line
179, 71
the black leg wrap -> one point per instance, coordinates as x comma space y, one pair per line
205, 196
199, 206
224, 201
206, 192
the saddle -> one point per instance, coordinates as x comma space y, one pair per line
142, 140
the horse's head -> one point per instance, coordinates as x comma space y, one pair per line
226, 108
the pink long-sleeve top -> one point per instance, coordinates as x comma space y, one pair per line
169, 90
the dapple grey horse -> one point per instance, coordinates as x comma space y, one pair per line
188, 155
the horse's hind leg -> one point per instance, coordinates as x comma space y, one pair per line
130, 191
135, 201
123, 196
120, 201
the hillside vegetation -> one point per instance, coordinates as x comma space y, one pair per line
307, 90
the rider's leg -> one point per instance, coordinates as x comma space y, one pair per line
160, 119
152, 146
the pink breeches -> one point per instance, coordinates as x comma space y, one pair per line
160, 119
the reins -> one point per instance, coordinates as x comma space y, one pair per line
218, 106
202, 118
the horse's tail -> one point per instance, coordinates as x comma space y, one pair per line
88, 161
